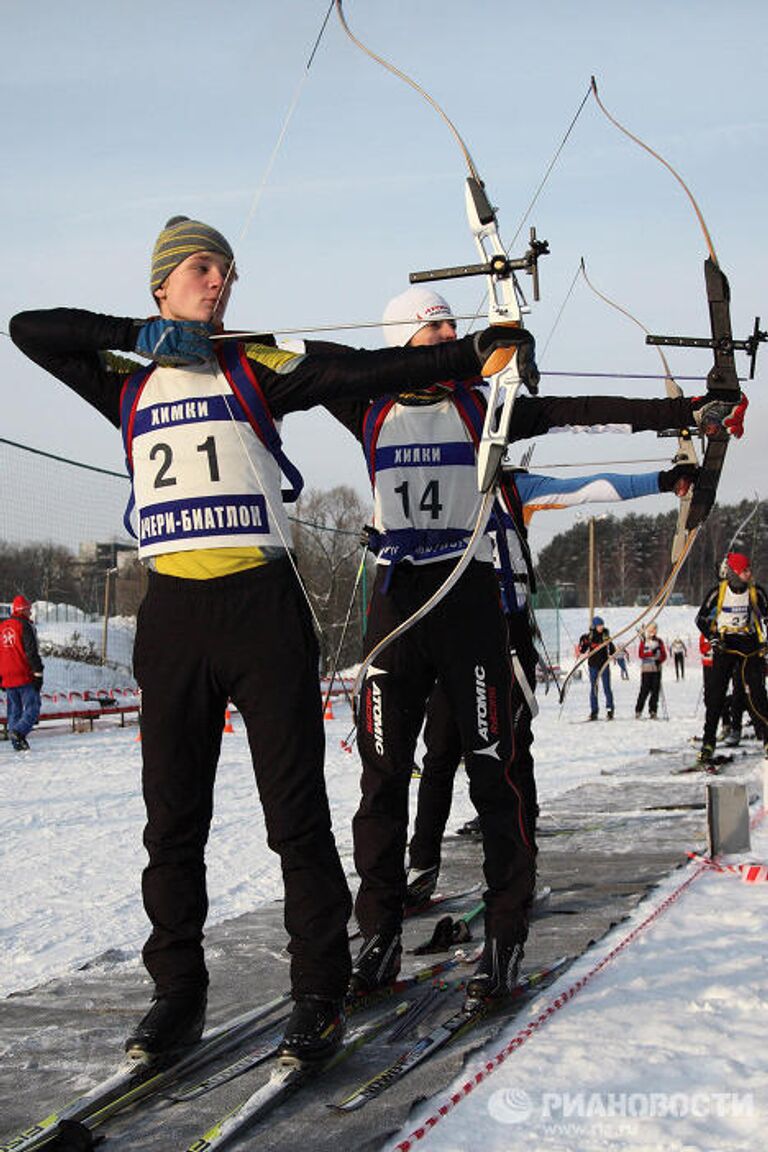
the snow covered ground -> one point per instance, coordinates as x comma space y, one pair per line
664, 1048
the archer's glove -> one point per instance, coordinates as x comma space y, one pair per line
678, 479
496, 346
174, 343
720, 411
370, 538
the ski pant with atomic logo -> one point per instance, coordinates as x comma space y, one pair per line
247, 638
442, 742
463, 644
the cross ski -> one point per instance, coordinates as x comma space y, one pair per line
138, 1080
443, 1033
286, 1078
267, 1046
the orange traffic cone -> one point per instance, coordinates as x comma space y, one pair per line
328, 714
227, 721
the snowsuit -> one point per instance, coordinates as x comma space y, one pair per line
733, 620
21, 674
652, 654
224, 617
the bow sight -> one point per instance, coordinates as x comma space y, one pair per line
722, 377
498, 265
721, 340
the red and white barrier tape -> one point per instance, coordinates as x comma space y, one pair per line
551, 1009
749, 872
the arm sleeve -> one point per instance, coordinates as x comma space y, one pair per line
359, 376
31, 651
535, 415
74, 346
539, 492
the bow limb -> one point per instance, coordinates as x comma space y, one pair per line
505, 307
723, 376
686, 453
506, 302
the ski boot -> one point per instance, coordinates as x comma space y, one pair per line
314, 1031
377, 963
706, 758
174, 1021
471, 828
496, 972
421, 884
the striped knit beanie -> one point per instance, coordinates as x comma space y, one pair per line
181, 238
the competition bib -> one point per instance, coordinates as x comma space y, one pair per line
202, 478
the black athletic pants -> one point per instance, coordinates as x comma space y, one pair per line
463, 644
442, 740
741, 657
199, 643
650, 686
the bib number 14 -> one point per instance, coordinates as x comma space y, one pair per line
429, 502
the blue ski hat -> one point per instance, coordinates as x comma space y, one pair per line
597, 621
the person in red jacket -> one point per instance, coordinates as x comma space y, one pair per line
21, 672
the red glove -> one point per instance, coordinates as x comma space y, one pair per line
720, 411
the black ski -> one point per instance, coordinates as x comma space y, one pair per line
441, 1034
711, 767
136, 1080
285, 1079
268, 1044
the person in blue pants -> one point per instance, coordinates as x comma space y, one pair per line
599, 664
21, 672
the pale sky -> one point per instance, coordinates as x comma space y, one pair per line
116, 116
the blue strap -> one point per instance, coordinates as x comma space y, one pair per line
242, 380
129, 399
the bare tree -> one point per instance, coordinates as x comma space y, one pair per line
327, 533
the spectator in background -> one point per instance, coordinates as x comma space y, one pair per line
679, 653
21, 672
601, 648
652, 653
622, 661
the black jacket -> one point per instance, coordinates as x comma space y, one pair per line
74, 346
